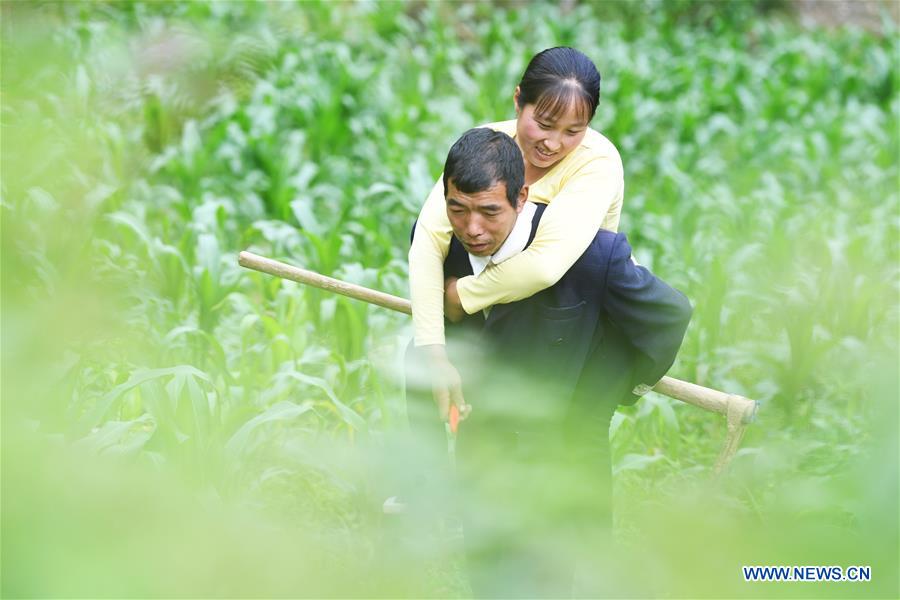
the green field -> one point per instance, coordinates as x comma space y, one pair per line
175, 425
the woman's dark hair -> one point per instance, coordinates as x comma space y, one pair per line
555, 78
482, 158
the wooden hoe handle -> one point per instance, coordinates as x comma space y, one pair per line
738, 410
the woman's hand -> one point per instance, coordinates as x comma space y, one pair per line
453, 309
446, 384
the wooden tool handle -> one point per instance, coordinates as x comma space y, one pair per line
351, 290
703, 397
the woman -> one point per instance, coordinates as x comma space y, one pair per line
572, 168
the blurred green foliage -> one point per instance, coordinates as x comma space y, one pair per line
146, 144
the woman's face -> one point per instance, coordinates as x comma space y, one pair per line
546, 139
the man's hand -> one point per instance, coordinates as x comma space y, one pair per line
453, 309
446, 384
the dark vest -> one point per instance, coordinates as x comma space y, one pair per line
604, 327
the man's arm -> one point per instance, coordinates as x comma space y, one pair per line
652, 315
453, 309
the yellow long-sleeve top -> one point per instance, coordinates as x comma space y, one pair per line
583, 193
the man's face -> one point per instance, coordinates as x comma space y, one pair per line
482, 220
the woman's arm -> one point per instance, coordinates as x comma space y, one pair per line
429, 248
426, 268
591, 198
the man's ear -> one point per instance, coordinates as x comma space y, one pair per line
523, 197
516, 100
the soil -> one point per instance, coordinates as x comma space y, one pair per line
866, 14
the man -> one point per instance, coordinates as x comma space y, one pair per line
543, 376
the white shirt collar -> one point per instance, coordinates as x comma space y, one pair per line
515, 242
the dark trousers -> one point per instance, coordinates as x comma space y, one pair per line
532, 480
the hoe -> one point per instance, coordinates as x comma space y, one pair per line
738, 411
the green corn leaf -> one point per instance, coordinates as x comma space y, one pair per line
349, 416
636, 462
283, 411
92, 417
120, 437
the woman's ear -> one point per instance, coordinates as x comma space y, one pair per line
516, 100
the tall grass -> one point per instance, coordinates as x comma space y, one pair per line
145, 145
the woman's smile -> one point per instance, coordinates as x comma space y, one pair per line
545, 154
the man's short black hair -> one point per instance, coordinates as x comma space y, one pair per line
482, 158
